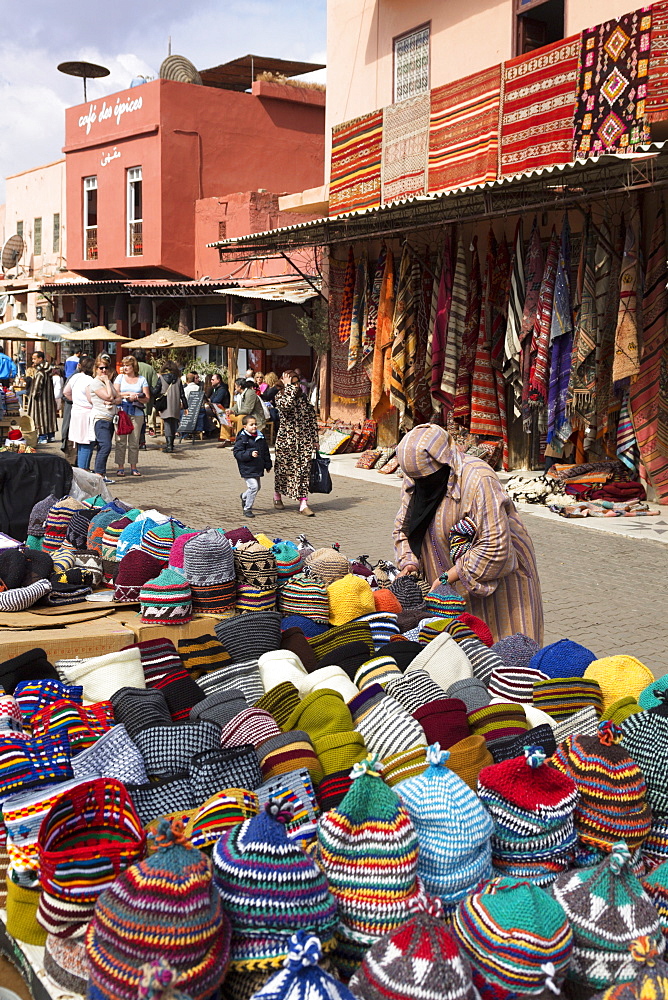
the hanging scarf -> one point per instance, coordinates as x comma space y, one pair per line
426, 497
626, 363
462, 406
383, 330
359, 311
540, 343
455, 326
422, 407
627, 448
561, 335
607, 304
431, 316
403, 342
346, 315
581, 402
369, 335
485, 419
441, 315
533, 279
513, 344
499, 299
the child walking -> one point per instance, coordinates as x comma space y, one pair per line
252, 454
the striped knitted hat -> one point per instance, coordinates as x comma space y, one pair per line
65, 962
255, 565
250, 725
655, 848
407, 764
57, 520
134, 571
221, 811
408, 593
302, 978
220, 707
280, 702
564, 658
140, 709
562, 697
541, 736
157, 539
349, 598
444, 600
414, 689
249, 598
608, 910
164, 670
483, 659
270, 889
292, 751
515, 683
202, 655
516, 650
244, 676
651, 975
304, 595
112, 533
613, 794
354, 631
369, 852
645, 739
385, 725
163, 908
38, 515
327, 565
215, 598
532, 809
619, 676
295, 793
452, 827
377, 670
288, 560
35, 695
444, 721
166, 600
249, 636
498, 721
582, 723
384, 626
517, 939
420, 959
22, 816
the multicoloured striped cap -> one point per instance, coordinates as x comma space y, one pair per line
561, 697
223, 810
167, 600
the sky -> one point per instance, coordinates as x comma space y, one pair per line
129, 37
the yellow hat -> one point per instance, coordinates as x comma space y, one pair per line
618, 677
350, 597
22, 914
468, 757
321, 713
263, 540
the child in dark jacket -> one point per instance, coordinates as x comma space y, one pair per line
252, 454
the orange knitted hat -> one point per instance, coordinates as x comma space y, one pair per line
386, 601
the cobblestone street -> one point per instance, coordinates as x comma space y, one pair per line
608, 592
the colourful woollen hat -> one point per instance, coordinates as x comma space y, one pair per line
564, 658
134, 572
420, 959
655, 885
164, 908
452, 827
612, 805
516, 650
368, 849
167, 600
288, 560
270, 889
651, 696
619, 676
532, 810
255, 565
517, 939
562, 697
651, 975
444, 600
224, 809
280, 701
301, 978
514, 683
608, 910
349, 598
305, 595
645, 739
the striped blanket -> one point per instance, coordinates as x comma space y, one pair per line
355, 175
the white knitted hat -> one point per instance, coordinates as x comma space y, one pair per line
444, 660
102, 676
208, 558
330, 678
281, 665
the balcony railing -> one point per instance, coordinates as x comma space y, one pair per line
91, 243
135, 239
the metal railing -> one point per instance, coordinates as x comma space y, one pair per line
135, 239
91, 243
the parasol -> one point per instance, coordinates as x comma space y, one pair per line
239, 336
96, 333
165, 338
43, 329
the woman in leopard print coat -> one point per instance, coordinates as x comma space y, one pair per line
296, 444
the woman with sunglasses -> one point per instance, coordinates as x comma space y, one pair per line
104, 398
133, 387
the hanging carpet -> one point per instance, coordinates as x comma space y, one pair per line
462, 405
347, 385
656, 103
405, 146
355, 170
626, 362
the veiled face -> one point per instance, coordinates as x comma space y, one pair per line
424, 450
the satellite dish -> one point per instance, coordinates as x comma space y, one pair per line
12, 252
179, 69
86, 70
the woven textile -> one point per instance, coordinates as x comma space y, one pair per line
113, 755
227, 808
464, 131
347, 384
223, 768
456, 321
293, 791
404, 152
356, 157
462, 404
537, 105
162, 797
656, 104
626, 362
22, 817
612, 85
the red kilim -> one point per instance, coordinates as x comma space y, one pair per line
656, 105
355, 177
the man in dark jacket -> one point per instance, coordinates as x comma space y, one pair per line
252, 454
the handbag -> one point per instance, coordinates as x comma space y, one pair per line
124, 425
160, 402
320, 480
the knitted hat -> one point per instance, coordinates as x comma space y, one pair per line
171, 893
320, 714
333, 638
330, 678
140, 709
452, 827
444, 600
532, 809
163, 797
483, 660
224, 809
202, 654
304, 595
385, 600
651, 975
339, 752
13, 568
613, 793
167, 750
291, 751
77, 529
280, 702
369, 852
385, 725
378, 670
517, 939
516, 650
467, 759
112, 755
101, 676
278, 666
249, 636
384, 627
21, 908
250, 598
619, 676
131, 536
295, 793
243, 534
327, 565
498, 721
655, 847
514, 684
410, 619
444, 661
244, 676
607, 910
34, 695
650, 696
10, 714
223, 767
645, 739
655, 885
177, 551
38, 515
349, 657
561, 697
208, 558
310, 628
166, 600
255, 565
158, 539
134, 571
407, 764
471, 691
621, 709
444, 721
302, 978
582, 723
22, 816
288, 560
222, 598
478, 627
66, 963
22, 598
77, 725
403, 653
31, 665
270, 889
414, 689
420, 959
294, 640
251, 725
220, 707
541, 737
349, 598
408, 593
564, 658
57, 521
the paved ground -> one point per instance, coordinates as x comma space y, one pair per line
603, 590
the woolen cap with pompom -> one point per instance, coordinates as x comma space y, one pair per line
301, 978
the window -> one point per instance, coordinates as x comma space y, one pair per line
411, 63
90, 218
537, 23
56, 232
135, 213
37, 237
19, 229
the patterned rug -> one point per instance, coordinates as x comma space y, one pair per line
355, 178
353, 384
464, 131
656, 104
614, 60
405, 145
537, 105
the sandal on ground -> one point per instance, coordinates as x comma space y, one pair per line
135, 472
307, 512
121, 472
278, 504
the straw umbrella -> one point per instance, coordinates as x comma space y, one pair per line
238, 336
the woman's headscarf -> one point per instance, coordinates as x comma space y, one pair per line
423, 457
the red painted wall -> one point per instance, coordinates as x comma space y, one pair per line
191, 142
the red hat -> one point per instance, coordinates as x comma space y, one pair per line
444, 721
386, 601
478, 626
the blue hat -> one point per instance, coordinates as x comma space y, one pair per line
563, 659
301, 978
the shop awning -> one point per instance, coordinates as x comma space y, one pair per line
294, 292
151, 287
549, 188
